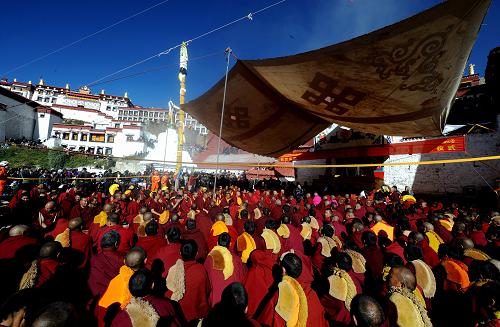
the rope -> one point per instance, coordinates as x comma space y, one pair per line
167, 51
85, 37
277, 165
228, 57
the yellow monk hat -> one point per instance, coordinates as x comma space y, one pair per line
113, 188
272, 240
218, 228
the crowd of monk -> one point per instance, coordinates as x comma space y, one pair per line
131, 256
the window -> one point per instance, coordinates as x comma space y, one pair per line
130, 138
156, 114
53, 100
130, 112
108, 108
108, 151
120, 112
84, 137
39, 99
46, 100
111, 139
97, 137
136, 113
66, 136
99, 151
74, 136
117, 125
150, 114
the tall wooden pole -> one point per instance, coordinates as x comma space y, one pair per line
182, 94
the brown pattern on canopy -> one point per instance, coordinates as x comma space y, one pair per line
399, 80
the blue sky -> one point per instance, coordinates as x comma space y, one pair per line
33, 28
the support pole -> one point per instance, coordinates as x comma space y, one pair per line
228, 54
182, 94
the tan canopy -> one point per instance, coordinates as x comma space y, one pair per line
399, 80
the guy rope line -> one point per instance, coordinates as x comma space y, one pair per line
278, 165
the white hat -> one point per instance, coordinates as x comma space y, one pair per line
4, 163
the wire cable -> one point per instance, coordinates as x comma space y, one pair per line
167, 51
84, 38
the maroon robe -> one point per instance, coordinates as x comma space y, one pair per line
104, 267
216, 277
478, 238
200, 240
86, 214
151, 244
259, 277
81, 243
10, 246
164, 307
374, 261
126, 237
430, 257
194, 303
46, 269
166, 256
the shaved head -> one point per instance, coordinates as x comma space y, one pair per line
143, 210
50, 250
465, 243
147, 216
107, 208
18, 230
366, 311
57, 314
135, 258
402, 277
428, 226
75, 223
50, 205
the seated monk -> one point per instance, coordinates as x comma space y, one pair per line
191, 232
223, 268
83, 211
80, 245
140, 221
145, 309
48, 215
324, 246
194, 301
151, 242
286, 304
290, 236
104, 266
218, 228
430, 257
126, 235
259, 277
43, 269
245, 243
342, 288
117, 290
99, 221
166, 256
405, 308
16, 241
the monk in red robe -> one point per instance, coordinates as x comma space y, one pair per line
259, 277
48, 262
104, 266
126, 235
195, 300
152, 242
117, 290
166, 256
286, 303
83, 211
191, 232
16, 241
223, 268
